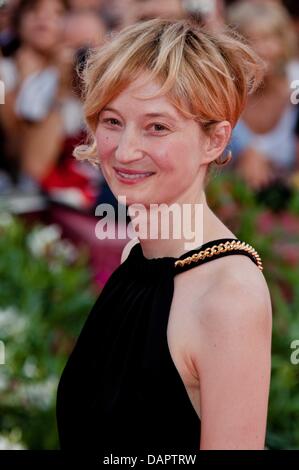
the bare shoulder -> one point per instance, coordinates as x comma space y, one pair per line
236, 296
231, 352
127, 249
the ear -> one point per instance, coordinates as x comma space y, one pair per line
217, 141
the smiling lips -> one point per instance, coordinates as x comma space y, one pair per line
131, 176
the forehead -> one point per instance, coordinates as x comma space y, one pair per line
133, 96
261, 28
39, 4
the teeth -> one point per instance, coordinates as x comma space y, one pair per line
133, 177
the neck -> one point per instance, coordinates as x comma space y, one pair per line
194, 224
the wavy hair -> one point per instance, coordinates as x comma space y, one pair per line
206, 76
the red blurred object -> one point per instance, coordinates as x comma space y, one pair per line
105, 254
70, 174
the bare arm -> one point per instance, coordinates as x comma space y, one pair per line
233, 360
41, 145
10, 124
38, 145
254, 168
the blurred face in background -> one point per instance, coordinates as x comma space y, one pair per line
86, 4
268, 44
84, 28
6, 9
4, 17
142, 10
41, 27
269, 29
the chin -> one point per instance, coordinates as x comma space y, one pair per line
132, 196
136, 194
130, 199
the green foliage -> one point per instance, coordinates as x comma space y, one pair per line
275, 235
45, 295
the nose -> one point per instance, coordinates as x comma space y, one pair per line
129, 147
44, 14
42, 17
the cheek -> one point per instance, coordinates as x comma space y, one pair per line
105, 145
55, 28
181, 158
167, 154
27, 25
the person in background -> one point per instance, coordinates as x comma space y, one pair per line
293, 8
209, 13
42, 117
264, 141
8, 42
113, 12
150, 9
93, 5
37, 29
84, 29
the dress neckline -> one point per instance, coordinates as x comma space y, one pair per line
154, 267
208, 244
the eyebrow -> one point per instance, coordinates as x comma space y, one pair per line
152, 115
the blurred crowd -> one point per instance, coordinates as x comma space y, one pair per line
43, 44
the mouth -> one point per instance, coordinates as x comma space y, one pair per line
132, 176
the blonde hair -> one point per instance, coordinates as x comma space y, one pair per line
206, 76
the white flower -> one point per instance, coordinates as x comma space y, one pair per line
12, 323
66, 250
7, 444
40, 394
55, 266
30, 368
6, 219
40, 239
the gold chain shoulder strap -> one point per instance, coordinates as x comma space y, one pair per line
221, 248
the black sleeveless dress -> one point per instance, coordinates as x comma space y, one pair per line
120, 389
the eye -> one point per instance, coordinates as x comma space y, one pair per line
159, 127
112, 121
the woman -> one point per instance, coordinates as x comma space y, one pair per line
40, 102
38, 26
175, 354
264, 141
